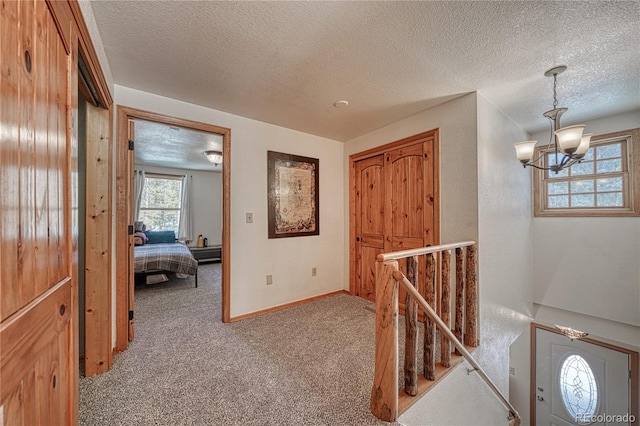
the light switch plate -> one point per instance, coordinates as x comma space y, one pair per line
249, 217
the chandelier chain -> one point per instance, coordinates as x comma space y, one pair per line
555, 93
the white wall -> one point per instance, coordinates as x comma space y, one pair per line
559, 278
506, 258
253, 255
590, 265
206, 201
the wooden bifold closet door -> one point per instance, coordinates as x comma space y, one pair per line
394, 205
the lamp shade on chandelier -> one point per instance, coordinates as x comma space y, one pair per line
569, 143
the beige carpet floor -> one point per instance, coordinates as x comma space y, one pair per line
307, 365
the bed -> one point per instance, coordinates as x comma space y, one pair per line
173, 257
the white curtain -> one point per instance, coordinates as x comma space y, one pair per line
138, 186
184, 228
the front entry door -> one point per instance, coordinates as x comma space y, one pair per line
394, 205
579, 382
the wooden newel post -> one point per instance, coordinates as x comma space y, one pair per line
430, 326
445, 308
471, 313
459, 296
411, 327
384, 393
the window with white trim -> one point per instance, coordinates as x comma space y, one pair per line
160, 205
606, 182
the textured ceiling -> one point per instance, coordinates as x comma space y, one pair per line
286, 63
168, 146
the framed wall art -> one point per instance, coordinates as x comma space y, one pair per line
293, 195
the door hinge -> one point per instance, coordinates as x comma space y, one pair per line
131, 145
130, 229
130, 315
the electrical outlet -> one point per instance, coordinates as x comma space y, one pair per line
512, 371
314, 271
269, 279
249, 217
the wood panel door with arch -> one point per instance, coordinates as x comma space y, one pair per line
410, 185
370, 206
395, 206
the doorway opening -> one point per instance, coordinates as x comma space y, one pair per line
124, 214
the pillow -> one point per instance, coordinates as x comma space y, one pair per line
157, 237
139, 239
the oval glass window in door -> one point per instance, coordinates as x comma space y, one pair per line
578, 387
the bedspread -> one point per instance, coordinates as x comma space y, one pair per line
174, 257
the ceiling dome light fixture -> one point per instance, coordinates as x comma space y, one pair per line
568, 141
214, 156
341, 104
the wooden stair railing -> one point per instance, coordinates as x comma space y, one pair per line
388, 401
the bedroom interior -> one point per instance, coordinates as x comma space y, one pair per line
177, 200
